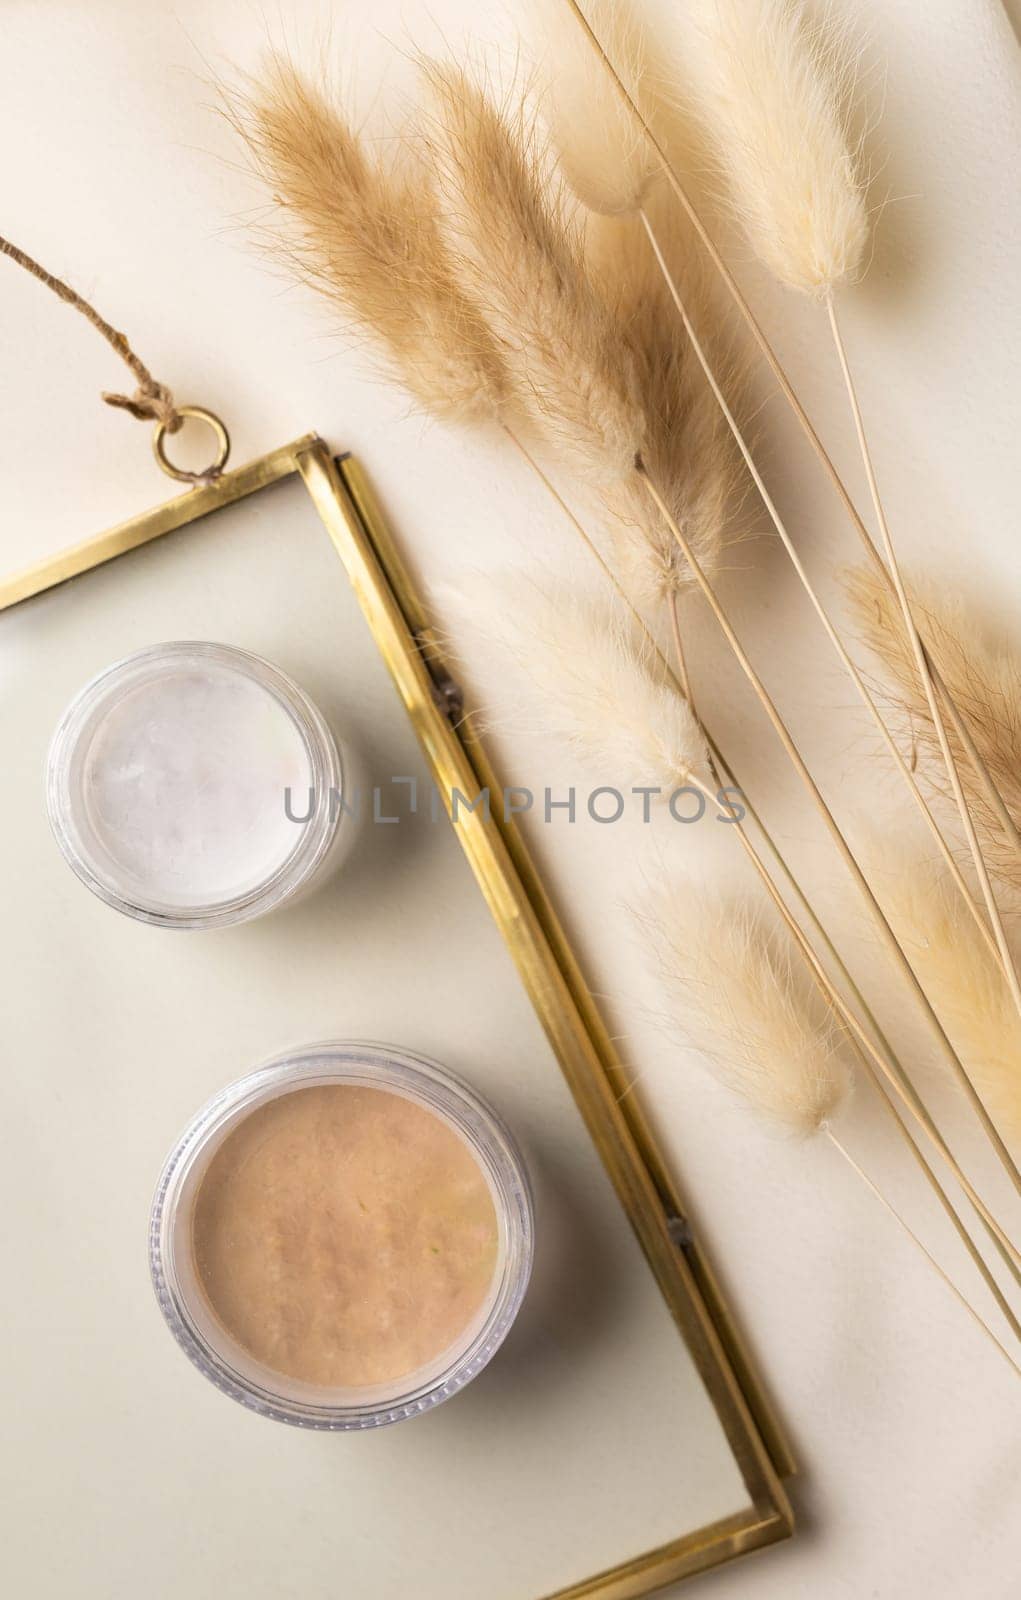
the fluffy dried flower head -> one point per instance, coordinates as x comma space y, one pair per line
772, 91
367, 236
690, 452
583, 678
602, 150
520, 258
732, 988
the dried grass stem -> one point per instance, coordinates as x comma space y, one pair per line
886, 933
745, 311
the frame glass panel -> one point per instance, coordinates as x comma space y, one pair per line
598, 1441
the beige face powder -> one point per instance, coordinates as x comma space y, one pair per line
344, 1236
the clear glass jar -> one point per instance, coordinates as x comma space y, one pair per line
212, 1347
167, 787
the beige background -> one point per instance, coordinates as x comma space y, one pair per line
117, 173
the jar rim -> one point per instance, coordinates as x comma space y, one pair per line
328, 777
369, 1065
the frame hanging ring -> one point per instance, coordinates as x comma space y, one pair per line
200, 414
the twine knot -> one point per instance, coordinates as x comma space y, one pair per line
151, 402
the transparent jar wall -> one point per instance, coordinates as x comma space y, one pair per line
209, 1345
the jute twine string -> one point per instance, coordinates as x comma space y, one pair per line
152, 401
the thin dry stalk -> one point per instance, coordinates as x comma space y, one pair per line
718, 763
769, 1044
775, 92
887, 1063
850, 861
985, 778
534, 265
944, 1276
922, 668
879, 1087
875, 1048
985, 683
972, 996
716, 389
865, 1057
809, 222
949, 1209
737, 999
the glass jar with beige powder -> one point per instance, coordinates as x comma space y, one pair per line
342, 1238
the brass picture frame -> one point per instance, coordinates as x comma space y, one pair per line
342, 496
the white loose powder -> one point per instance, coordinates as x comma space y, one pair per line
184, 778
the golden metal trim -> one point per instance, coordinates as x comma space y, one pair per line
149, 525
670, 1198
509, 882
712, 1546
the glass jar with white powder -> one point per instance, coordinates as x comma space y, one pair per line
195, 785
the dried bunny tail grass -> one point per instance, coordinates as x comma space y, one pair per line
690, 452
601, 149
519, 256
968, 984
772, 90
368, 238
584, 678
732, 988
594, 355
984, 682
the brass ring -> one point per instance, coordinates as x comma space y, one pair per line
200, 414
